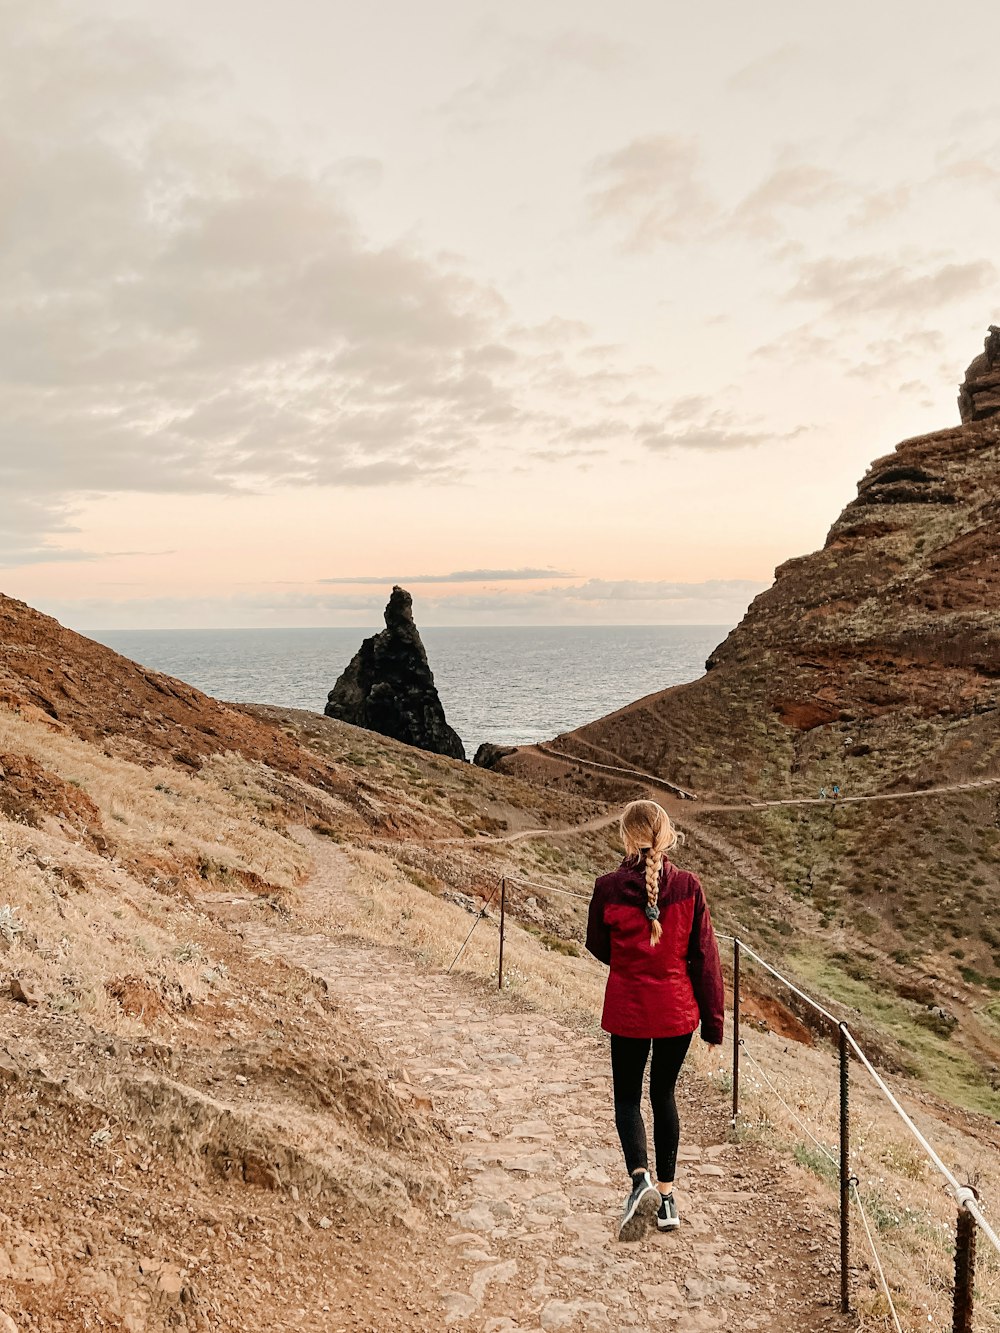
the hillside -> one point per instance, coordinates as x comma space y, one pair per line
874, 664
236, 1061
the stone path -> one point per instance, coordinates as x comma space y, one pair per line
527, 1102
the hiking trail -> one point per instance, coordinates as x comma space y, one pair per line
685, 802
526, 1099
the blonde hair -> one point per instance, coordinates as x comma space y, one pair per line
646, 827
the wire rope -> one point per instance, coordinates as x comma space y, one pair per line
475, 923
878, 1261
800, 1122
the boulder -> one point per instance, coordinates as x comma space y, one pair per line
26, 991
388, 686
979, 394
489, 755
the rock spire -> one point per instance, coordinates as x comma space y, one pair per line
979, 394
388, 686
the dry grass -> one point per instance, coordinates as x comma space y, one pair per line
78, 921
391, 911
78, 924
911, 1215
223, 818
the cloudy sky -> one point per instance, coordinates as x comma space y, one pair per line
557, 311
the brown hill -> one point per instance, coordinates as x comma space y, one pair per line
234, 1056
48, 671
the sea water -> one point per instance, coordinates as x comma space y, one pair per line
511, 686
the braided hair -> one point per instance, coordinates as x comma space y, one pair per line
648, 835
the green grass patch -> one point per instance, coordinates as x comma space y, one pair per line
948, 1070
554, 943
816, 1162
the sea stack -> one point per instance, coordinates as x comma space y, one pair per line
388, 686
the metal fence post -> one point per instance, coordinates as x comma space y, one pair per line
965, 1271
736, 1030
503, 919
845, 1173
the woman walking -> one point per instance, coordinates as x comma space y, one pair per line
650, 923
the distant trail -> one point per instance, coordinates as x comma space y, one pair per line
679, 794
589, 826
750, 804
671, 787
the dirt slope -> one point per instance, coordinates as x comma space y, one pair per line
102, 697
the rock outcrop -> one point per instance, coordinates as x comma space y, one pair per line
388, 686
883, 647
979, 395
489, 755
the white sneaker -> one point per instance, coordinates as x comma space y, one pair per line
666, 1218
640, 1208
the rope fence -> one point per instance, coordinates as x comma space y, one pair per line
875, 1255
969, 1214
970, 1219
793, 1114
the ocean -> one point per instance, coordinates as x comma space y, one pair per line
511, 686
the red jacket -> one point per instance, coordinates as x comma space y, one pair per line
660, 990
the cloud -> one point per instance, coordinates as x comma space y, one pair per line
594, 601
458, 576
23, 517
528, 65
710, 437
879, 206
693, 423
183, 313
878, 284
654, 186
791, 185
760, 74
662, 590
884, 358
179, 314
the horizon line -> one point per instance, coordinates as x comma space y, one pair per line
192, 629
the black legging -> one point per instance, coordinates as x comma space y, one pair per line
628, 1064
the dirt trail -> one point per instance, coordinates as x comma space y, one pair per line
527, 1103
681, 807
749, 803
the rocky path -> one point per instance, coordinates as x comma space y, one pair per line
531, 1243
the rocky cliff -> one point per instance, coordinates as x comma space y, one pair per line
388, 686
876, 659
979, 395
872, 664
